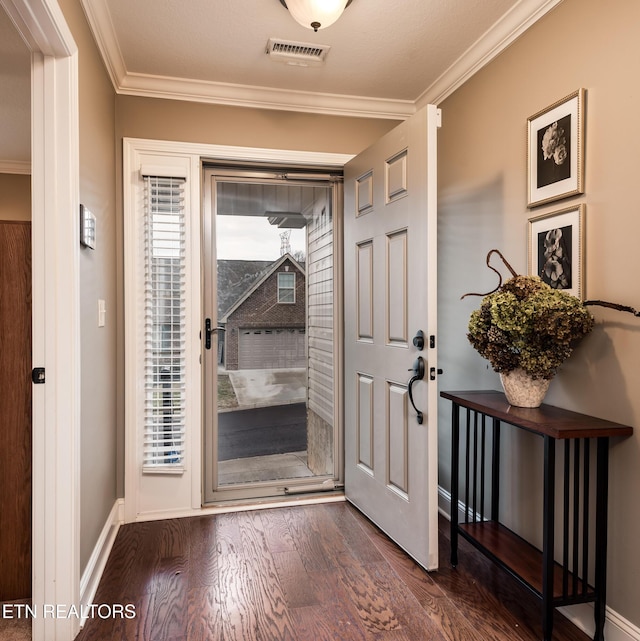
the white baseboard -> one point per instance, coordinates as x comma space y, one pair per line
98, 559
616, 627
444, 502
444, 506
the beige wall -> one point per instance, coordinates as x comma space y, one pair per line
15, 197
220, 125
482, 184
97, 281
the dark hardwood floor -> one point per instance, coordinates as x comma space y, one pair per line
303, 573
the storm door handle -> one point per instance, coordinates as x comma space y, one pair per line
209, 331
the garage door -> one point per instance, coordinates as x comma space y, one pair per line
271, 348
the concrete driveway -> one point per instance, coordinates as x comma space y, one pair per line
265, 387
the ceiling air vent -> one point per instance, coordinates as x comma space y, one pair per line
300, 54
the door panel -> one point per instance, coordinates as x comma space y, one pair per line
397, 432
364, 290
397, 303
15, 410
390, 294
364, 422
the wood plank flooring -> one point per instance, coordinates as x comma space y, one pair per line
303, 573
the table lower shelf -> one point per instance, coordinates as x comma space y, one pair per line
524, 561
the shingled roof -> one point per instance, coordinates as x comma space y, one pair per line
257, 281
235, 277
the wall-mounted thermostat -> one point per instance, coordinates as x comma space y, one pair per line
87, 228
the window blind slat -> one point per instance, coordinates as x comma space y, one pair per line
164, 323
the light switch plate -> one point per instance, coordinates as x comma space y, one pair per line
102, 312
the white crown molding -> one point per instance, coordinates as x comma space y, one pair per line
524, 14
512, 25
99, 20
264, 97
15, 167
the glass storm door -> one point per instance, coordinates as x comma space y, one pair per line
268, 344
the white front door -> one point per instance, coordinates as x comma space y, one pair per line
390, 295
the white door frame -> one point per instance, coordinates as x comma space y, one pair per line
171, 496
56, 310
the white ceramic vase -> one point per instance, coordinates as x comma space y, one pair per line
523, 391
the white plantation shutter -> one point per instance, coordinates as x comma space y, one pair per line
164, 327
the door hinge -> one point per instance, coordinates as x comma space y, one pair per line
38, 375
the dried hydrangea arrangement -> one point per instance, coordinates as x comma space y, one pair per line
526, 324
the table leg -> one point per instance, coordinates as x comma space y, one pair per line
455, 470
548, 534
602, 489
495, 472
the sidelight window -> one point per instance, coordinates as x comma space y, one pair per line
165, 293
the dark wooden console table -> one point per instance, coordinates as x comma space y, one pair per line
555, 583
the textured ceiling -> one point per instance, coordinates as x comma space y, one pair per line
379, 48
386, 58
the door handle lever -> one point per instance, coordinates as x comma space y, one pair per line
418, 374
209, 331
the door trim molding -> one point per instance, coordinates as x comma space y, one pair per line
217, 153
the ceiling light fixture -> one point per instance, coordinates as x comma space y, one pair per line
315, 14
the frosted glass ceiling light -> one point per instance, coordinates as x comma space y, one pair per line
316, 14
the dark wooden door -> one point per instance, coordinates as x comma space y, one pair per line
15, 410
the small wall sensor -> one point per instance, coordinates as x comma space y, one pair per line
87, 228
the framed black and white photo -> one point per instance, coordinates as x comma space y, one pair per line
556, 249
555, 162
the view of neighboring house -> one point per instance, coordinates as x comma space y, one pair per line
265, 321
